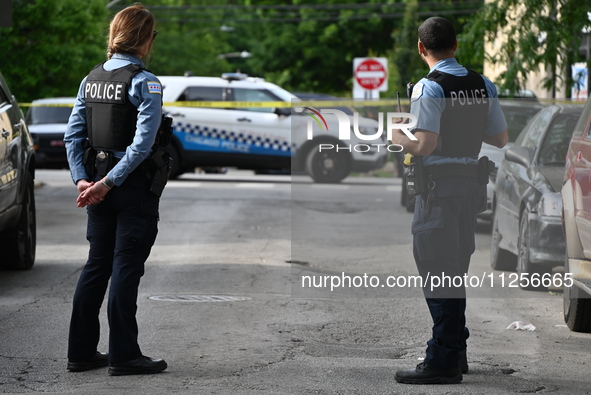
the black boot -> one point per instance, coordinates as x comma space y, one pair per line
425, 374
463, 361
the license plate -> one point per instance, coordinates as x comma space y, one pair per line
56, 143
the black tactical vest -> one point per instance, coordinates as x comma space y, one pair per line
110, 117
463, 122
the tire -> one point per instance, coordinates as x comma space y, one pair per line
577, 309
524, 266
328, 167
500, 259
18, 245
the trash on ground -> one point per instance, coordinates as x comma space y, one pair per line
519, 325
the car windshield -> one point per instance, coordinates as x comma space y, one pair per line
555, 145
517, 117
37, 115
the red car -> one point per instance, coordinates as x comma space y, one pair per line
576, 220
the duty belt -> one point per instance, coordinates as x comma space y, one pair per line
452, 169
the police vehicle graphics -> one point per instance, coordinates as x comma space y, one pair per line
250, 138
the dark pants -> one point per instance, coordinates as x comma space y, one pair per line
121, 231
443, 242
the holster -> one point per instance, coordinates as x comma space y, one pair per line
485, 168
159, 165
103, 163
88, 160
164, 133
414, 176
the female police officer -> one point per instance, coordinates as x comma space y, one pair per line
117, 114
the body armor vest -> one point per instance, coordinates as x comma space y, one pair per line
110, 116
463, 122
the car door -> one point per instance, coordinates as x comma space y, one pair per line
261, 130
8, 184
201, 129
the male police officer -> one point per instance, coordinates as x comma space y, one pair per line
457, 110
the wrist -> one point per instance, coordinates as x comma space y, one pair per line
107, 182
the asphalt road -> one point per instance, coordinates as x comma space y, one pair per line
244, 243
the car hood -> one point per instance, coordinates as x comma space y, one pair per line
48, 128
554, 175
493, 153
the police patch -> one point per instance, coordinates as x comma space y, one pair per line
154, 87
417, 91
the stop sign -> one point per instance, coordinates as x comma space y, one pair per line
370, 74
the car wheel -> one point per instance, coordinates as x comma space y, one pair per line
328, 167
177, 170
18, 245
525, 268
500, 259
577, 309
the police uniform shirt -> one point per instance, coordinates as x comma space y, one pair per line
144, 92
428, 112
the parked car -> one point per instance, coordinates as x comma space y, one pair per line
17, 191
517, 114
47, 120
576, 215
527, 229
257, 138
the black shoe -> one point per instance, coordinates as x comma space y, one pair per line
141, 365
463, 361
100, 360
425, 374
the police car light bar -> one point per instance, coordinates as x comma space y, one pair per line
234, 76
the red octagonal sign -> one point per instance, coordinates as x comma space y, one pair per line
370, 74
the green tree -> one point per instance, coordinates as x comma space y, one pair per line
538, 33
52, 45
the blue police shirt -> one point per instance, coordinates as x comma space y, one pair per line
428, 112
144, 92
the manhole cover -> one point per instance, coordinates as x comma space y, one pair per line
199, 298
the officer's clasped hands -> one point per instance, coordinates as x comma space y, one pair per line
92, 195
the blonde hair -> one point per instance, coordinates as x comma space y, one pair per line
131, 31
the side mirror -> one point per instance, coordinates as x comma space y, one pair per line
520, 155
283, 111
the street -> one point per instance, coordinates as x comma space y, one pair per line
223, 299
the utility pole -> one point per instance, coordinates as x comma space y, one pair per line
5, 13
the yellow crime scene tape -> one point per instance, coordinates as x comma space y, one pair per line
260, 104
283, 104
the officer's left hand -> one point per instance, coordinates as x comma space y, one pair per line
93, 195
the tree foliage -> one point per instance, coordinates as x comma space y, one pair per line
302, 45
52, 45
538, 33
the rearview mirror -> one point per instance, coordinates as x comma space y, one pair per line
282, 111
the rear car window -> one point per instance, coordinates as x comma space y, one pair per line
202, 93
555, 145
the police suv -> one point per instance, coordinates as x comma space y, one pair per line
263, 138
